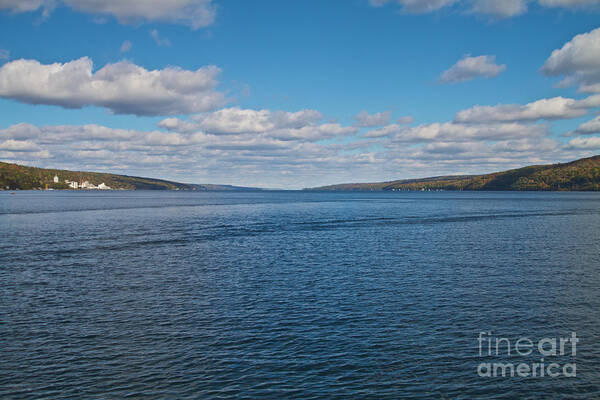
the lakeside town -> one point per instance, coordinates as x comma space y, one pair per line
22, 177
82, 184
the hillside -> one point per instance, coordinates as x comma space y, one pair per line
19, 177
583, 174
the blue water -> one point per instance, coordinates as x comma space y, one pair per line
293, 295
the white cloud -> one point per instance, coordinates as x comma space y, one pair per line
220, 158
589, 102
193, 13
201, 13
456, 132
126, 46
20, 131
18, 146
385, 131
314, 132
415, 6
236, 120
364, 119
265, 159
123, 88
578, 61
492, 8
585, 143
4, 54
406, 120
469, 68
23, 5
303, 125
158, 40
588, 128
570, 3
550, 109
499, 8
177, 125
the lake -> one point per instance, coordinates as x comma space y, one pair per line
297, 295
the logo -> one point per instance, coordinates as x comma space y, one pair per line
548, 350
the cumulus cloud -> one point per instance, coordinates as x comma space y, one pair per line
364, 119
126, 46
585, 143
236, 120
494, 137
469, 68
578, 61
314, 132
587, 128
406, 120
123, 88
384, 131
499, 9
456, 132
415, 6
265, 159
221, 157
550, 109
22, 131
23, 5
177, 125
193, 13
302, 125
18, 146
158, 40
589, 102
570, 3
4, 54
493, 8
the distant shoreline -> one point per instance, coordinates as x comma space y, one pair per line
21, 177
579, 175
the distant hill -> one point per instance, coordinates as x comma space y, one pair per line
225, 188
20, 177
583, 174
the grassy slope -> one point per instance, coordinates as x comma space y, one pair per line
583, 174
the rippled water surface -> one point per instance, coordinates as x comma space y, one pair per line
293, 294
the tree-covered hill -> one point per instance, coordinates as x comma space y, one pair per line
583, 174
14, 176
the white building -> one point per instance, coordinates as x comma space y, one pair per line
88, 185
55, 179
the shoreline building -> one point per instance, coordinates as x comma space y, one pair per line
86, 185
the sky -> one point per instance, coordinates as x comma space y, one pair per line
294, 94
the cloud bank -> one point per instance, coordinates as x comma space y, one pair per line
297, 149
304, 125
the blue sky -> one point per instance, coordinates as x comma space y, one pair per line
337, 58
